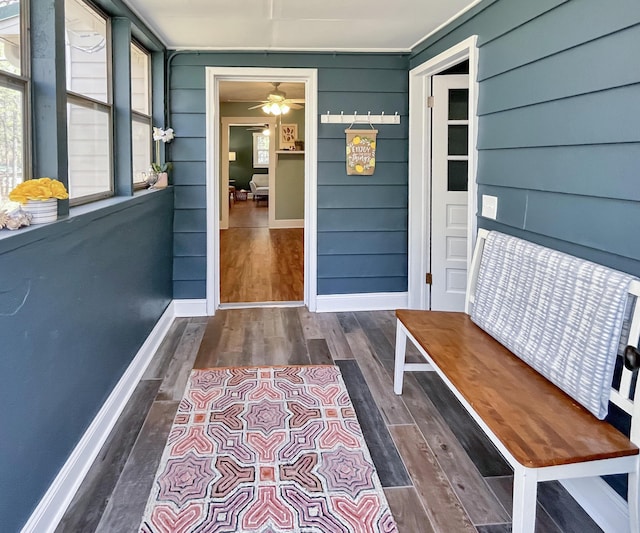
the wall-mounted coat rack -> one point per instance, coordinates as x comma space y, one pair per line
328, 118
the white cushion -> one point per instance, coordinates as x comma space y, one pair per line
560, 314
261, 180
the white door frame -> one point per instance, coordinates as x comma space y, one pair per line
297, 75
226, 123
420, 168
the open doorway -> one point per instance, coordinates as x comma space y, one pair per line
260, 264
251, 263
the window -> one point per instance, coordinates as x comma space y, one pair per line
89, 112
141, 128
260, 150
13, 97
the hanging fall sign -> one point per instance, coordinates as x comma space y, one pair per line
361, 151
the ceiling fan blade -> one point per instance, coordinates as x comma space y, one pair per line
295, 106
256, 106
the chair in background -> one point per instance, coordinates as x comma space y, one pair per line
259, 186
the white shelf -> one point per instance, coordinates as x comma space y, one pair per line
328, 118
289, 151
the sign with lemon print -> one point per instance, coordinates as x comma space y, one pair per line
361, 151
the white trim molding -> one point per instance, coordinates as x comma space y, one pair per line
600, 502
287, 223
213, 76
381, 301
188, 308
445, 24
56, 500
420, 167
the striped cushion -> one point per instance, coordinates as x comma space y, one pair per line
560, 314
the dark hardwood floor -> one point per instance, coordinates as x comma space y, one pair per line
439, 472
258, 264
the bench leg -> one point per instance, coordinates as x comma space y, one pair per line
401, 350
633, 494
525, 488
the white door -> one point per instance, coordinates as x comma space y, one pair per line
449, 196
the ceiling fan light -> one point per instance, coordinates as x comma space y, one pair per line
266, 108
275, 109
284, 108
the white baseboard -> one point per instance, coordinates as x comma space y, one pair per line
184, 308
601, 503
288, 223
381, 301
54, 503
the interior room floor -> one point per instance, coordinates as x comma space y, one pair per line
440, 474
258, 264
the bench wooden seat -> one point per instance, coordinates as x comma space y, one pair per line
520, 407
542, 432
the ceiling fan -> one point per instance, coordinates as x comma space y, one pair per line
277, 102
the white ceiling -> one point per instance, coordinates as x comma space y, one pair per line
305, 25
254, 91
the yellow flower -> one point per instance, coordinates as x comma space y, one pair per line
372, 162
359, 168
356, 140
373, 144
38, 189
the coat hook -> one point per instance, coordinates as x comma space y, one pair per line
396, 113
382, 114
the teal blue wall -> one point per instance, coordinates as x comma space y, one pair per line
362, 220
77, 300
559, 125
559, 121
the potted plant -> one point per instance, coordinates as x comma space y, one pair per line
162, 169
39, 197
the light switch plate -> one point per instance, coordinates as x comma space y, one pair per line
489, 206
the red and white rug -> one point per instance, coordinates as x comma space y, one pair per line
269, 450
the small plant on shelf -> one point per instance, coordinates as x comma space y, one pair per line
165, 136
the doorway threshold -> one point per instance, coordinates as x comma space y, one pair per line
249, 305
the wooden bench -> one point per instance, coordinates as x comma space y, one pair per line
542, 432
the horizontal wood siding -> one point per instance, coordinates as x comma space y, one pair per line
559, 121
362, 220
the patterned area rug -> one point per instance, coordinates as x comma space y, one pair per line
267, 450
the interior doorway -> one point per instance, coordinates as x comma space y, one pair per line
219, 200
237, 169
259, 265
425, 251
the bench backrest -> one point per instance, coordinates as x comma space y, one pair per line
623, 395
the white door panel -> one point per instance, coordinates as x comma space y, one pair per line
449, 196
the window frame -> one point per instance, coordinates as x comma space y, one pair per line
256, 150
92, 103
22, 82
139, 117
